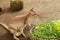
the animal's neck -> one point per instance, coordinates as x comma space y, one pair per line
27, 16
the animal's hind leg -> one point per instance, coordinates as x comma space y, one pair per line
16, 37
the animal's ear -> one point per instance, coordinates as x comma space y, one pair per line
32, 12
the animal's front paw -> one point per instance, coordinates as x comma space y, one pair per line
29, 25
24, 35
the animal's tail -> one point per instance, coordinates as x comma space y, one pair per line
4, 26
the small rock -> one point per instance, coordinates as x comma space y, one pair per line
16, 5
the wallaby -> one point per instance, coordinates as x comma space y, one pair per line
18, 23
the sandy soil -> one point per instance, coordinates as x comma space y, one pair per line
47, 9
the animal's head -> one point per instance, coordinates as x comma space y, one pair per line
32, 12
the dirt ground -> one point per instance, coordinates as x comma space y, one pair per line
47, 9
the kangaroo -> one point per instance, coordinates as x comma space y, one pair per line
18, 23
